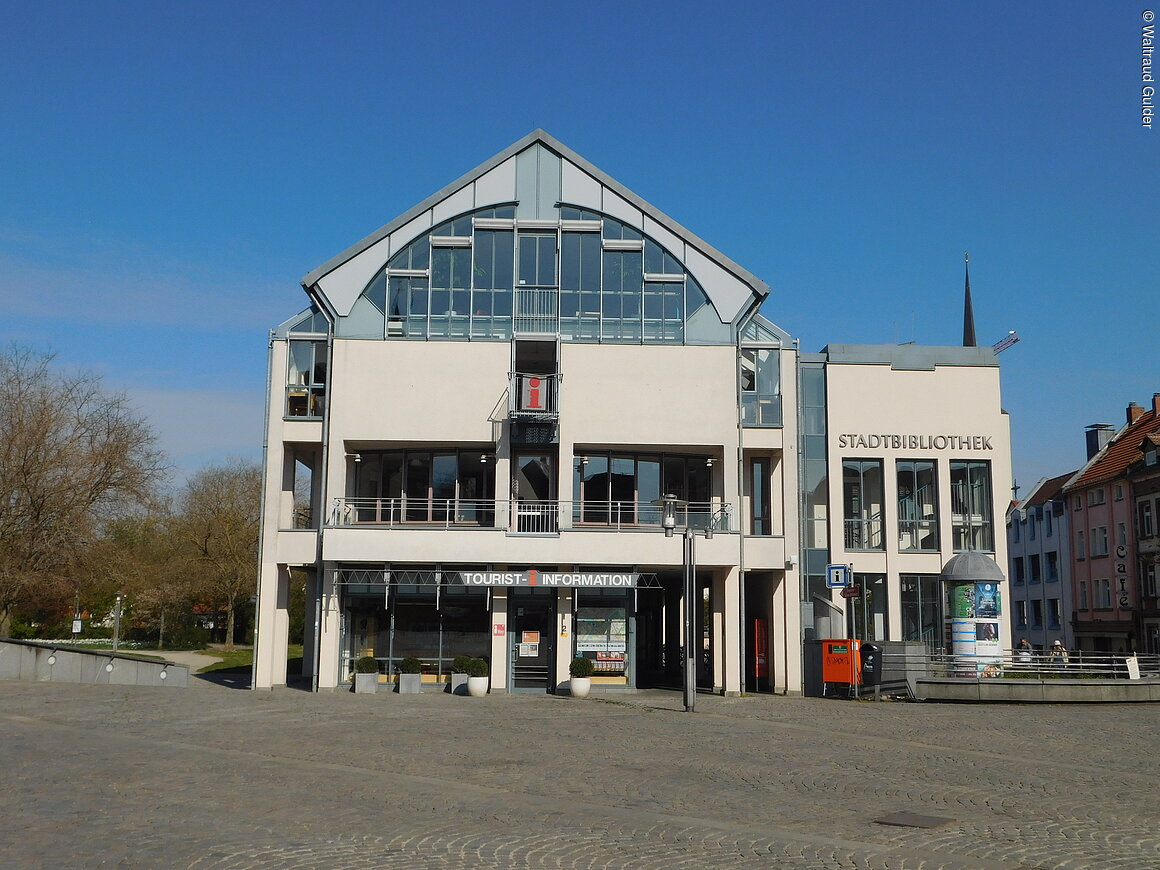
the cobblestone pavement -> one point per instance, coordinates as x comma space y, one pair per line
216, 778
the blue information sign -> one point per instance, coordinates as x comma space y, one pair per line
837, 576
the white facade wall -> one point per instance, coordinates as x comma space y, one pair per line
875, 399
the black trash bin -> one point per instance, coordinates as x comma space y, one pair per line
871, 665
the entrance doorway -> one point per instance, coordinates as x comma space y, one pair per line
532, 626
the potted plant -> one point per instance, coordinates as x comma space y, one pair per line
459, 674
477, 671
410, 675
581, 672
366, 675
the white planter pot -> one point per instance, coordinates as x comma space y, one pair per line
477, 686
579, 687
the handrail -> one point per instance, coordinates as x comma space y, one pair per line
531, 516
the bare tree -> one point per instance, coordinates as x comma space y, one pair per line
219, 516
72, 455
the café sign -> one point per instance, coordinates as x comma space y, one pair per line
567, 579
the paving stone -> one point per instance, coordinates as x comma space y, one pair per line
216, 778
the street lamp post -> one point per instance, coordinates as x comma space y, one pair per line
670, 504
117, 622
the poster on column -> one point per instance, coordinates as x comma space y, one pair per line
988, 649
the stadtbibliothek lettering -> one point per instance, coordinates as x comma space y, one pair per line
915, 442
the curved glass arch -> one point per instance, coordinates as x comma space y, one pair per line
591, 278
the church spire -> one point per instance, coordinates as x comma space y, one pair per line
968, 311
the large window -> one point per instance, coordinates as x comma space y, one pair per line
921, 608
918, 505
306, 379
971, 506
1100, 541
589, 277
423, 486
866, 613
760, 494
863, 500
760, 386
622, 488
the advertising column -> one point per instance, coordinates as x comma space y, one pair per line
974, 610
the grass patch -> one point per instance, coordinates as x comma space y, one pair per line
239, 661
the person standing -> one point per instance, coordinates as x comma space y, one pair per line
1058, 654
1023, 652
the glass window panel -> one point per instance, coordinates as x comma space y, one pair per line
589, 261
546, 270
653, 257
440, 302
674, 297
504, 261
611, 305
441, 268
418, 485
622, 488
461, 267
418, 297
484, 259
694, 296
569, 304
502, 302
570, 262
594, 491
461, 226
527, 259
376, 291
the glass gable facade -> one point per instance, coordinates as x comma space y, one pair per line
483, 275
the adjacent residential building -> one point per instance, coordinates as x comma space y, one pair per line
475, 425
1109, 524
1038, 540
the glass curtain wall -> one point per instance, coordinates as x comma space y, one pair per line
592, 278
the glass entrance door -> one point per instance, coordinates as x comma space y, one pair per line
532, 623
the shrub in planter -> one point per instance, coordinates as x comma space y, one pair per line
477, 668
581, 683
477, 672
410, 675
366, 675
459, 674
581, 667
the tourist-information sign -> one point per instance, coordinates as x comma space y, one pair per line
837, 576
573, 579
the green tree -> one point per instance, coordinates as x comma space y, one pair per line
72, 456
218, 515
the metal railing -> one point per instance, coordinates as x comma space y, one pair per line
536, 311
864, 534
528, 516
1016, 664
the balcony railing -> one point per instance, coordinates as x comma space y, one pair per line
526, 516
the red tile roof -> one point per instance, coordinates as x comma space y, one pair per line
1048, 490
1120, 452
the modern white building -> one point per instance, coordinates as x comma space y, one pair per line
473, 426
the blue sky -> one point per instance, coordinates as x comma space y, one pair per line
168, 173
